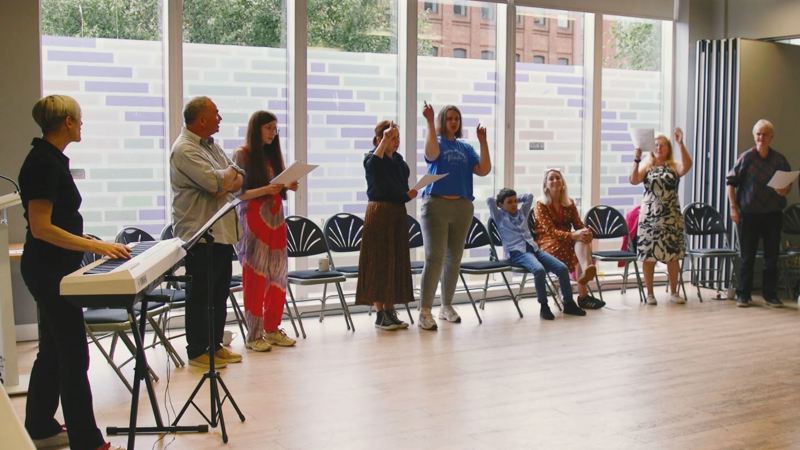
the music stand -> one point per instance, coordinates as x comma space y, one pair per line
215, 380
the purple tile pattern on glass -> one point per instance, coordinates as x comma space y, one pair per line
555, 68
152, 214
152, 228
363, 144
522, 77
558, 79
151, 130
336, 106
365, 132
623, 179
64, 41
99, 71
278, 104
484, 86
330, 93
564, 90
161, 201
141, 100
627, 115
608, 115
329, 80
575, 102
116, 86
144, 116
73, 56
614, 126
317, 67
621, 147
467, 98
231, 144
472, 109
619, 137
357, 208
629, 190
351, 120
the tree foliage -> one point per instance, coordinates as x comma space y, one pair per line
349, 25
637, 45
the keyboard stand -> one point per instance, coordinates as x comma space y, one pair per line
140, 373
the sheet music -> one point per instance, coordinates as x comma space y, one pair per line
644, 138
293, 173
427, 179
782, 179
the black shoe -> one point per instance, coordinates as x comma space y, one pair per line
383, 322
546, 314
742, 302
572, 309
773, 303
392, 313
590, 302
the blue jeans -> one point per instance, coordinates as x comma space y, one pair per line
539, 262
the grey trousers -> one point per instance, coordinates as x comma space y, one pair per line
445, 224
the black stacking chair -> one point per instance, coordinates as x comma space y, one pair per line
157, 304
608, 223
304, 238
703, 222
343, 233
791, 231
478, 237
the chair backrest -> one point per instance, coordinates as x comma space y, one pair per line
343, 232
477, 236
606, 222
132, 234
791, 219
701, 219
414, 233
167, 233
304, 238
494, 235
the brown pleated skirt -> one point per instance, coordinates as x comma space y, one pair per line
384, 264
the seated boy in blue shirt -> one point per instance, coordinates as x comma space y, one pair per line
522, 251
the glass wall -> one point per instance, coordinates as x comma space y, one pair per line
549, 114
632, 98
115, 71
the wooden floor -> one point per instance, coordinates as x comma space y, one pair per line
702, 375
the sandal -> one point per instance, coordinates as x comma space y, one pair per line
590, 302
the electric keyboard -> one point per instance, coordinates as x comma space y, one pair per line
115, 282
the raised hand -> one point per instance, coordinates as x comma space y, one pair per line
637, 155
427, 112
678, 135
481, 132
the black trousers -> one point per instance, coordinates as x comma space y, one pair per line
752, 228
198, 295
60, 371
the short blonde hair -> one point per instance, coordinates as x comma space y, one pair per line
51, 111
564, 200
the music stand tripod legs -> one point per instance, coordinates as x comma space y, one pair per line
215, 380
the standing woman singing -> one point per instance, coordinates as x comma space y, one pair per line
384, 264
660, 233
262, 248
54, 246
447, 211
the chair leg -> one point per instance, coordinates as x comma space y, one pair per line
291, 316
680, 280
472, 300
408, 310
521, 287
324, 299
624, 278
513, 297
698, 279
132, 348
237, 312
639, 281
485, 290
109, 359
173, 354
297, 313
348, 319
551, 286
599, 287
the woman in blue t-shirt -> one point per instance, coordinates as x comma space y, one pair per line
447, 210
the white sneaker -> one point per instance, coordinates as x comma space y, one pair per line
676, 298
651, 300
426, 321
448, 313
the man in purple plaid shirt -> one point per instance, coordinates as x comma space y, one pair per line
757, 210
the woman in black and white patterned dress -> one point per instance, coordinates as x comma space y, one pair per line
660, 234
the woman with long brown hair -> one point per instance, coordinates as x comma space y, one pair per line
262, 248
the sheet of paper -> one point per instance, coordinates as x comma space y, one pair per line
782, 179
426, 180
644, 138
293, 173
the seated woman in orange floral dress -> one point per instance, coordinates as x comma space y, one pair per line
561, 232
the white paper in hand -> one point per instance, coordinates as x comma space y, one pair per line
293, 173
427, 179
782, 179
644, 138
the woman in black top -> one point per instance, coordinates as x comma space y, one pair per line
54, 246
384, 265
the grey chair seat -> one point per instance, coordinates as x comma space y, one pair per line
713, 252
105, 315
613, 255
316, 275
481, 267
